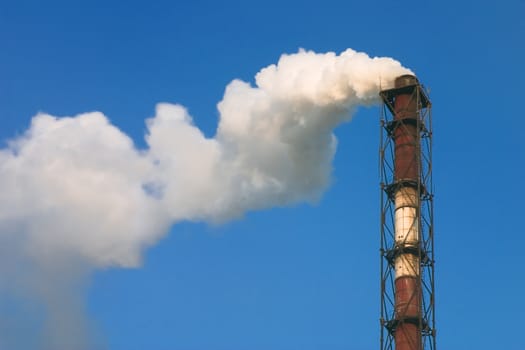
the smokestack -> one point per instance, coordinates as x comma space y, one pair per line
407, 301
407, 194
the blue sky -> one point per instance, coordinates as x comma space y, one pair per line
304, 277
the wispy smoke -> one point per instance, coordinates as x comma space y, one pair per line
78, 195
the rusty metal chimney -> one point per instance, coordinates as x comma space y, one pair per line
407, 282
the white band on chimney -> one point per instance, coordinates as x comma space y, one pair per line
406, 231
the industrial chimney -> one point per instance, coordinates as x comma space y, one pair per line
407, 236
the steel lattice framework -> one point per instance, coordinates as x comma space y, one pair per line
392, 125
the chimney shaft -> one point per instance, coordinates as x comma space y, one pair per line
407, 260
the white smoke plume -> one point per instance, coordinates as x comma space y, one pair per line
78, 195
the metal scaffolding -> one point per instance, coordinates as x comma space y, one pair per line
394, 124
